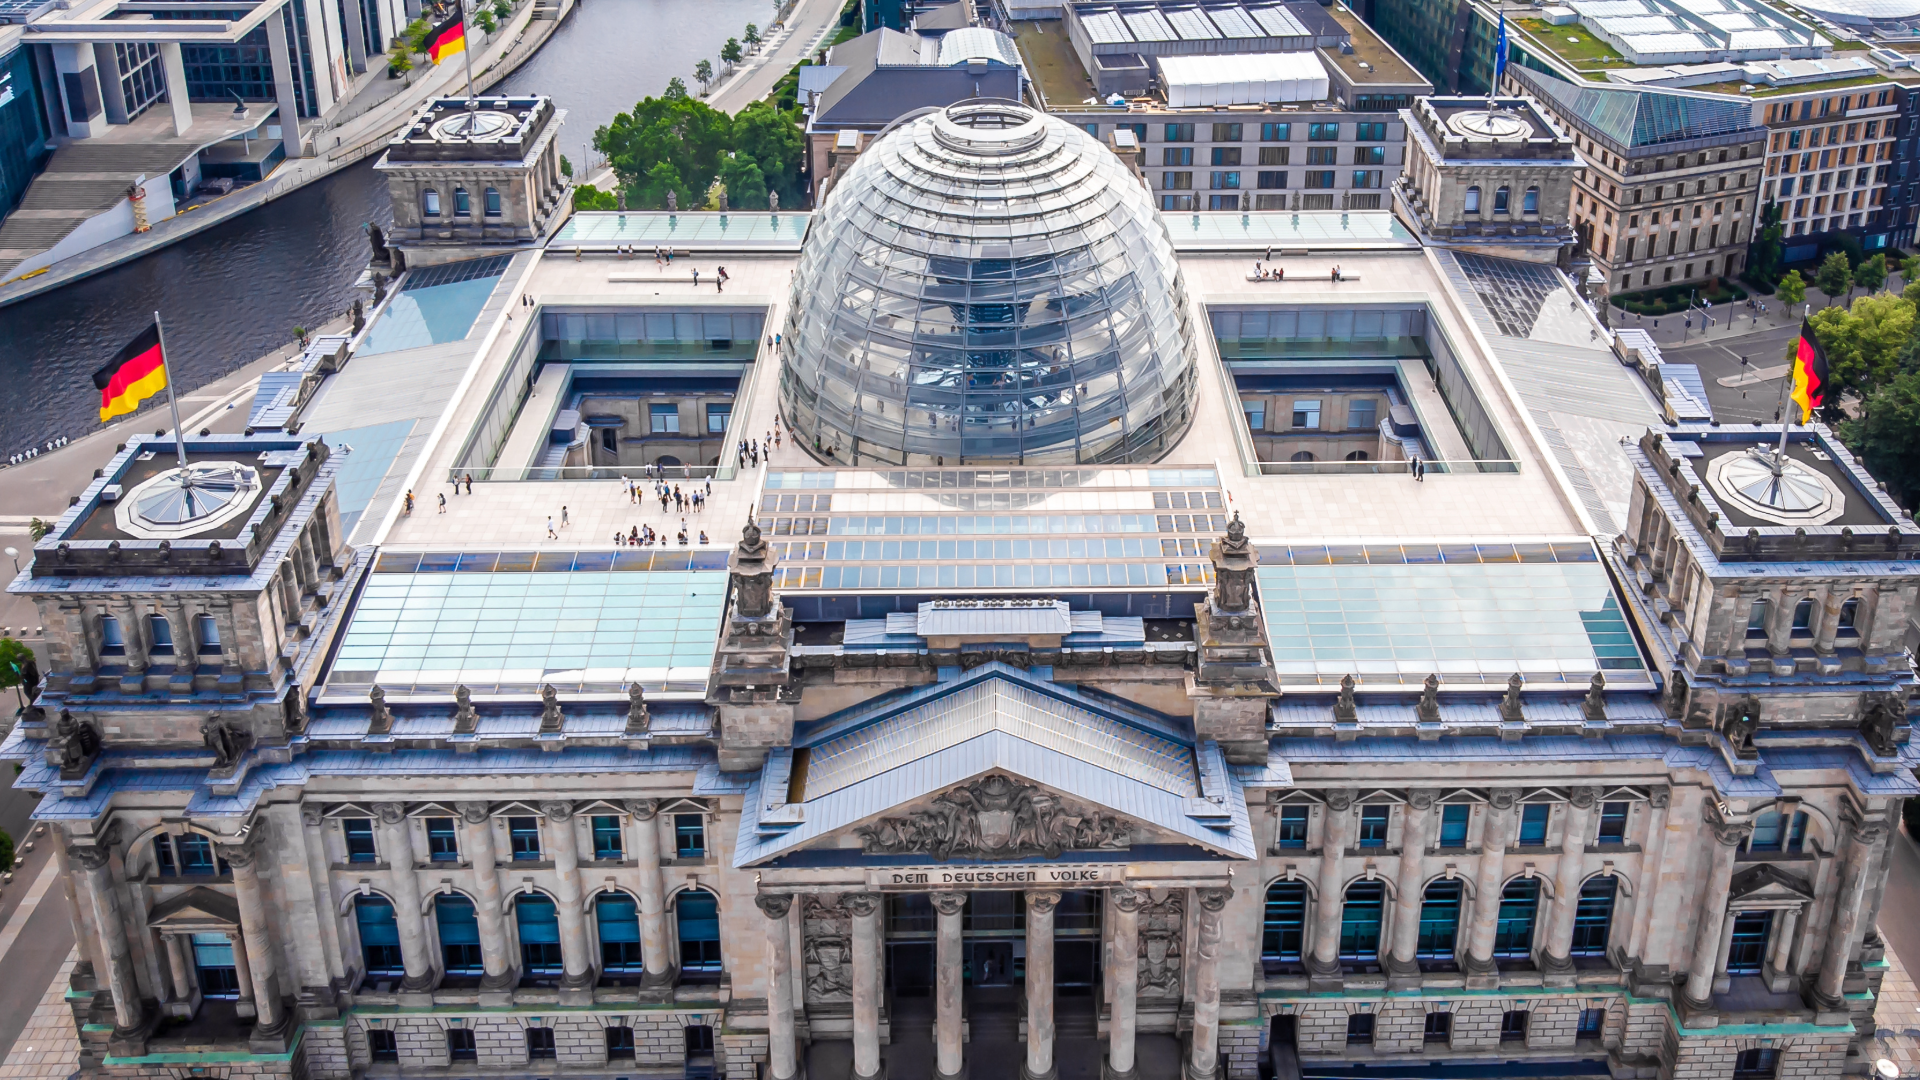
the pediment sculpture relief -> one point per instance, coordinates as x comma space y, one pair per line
995, 817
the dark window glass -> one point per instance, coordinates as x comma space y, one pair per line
1439, 920
690, 836
442, 844
1176, 155
459, 934
1293, 819
619, 1044
1591, 1023
460, 1044
1593, 918
163, 857
1797, 836
1360, 1029
359, 832
1533, 824
112, 641
697, 914
462, 203
540, 1044
619, 919
1375, 132
1513, 933
1769, 832
1270, 180
1453, 825
1757, 1064
1748, 952
379, 936
196, 855
524, 835
161, 632
213, 963
381, 1044
1179, 132
539, 924
1323, 132
1373, 825
493, 203
699, 1039
1513, 1026
1276, 132
718, 413
1613, 823
1439, 1027
606, 837
1360, 921
1286, 921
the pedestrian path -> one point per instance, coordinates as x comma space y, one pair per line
48, 1048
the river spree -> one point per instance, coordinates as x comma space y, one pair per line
236, 291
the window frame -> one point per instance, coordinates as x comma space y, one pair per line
361, 846
1517, 920
523, 840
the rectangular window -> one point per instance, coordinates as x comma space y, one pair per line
1439, 1027
442, 846
1276, 155
1293, 827
1373, 825
1369, 155
1226, 133
1533, 824
1284, 931
619, 1044
1613, 823
1513, 1026
1372, 132
1179, 133
1176, 155
1223, 181
381, 1045
540, 1044
1360, 1029
690, 836
1363, 415
1176, 202
493, 203
207, 629
1439, 921
1453, 825
196, 856
1270, 180
1226, 155
359, 832
1276, 132
1756, 1064
1256, 414
1306, 415
1323, 155
1368, 178
1360, 922
163, 857
1176, 181
460, 1044
665, 418
1592, 1022
606, 837
161, 631
1321, 180
718, 413
1323, 132
523, 836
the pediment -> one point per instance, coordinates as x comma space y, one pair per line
1766, 881
199, 909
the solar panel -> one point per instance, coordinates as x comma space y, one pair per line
1235, 22
1191, 24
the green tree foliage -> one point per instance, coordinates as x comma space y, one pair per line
1793, 288
675, 89
1910, 269
1911, 294
683, 145
588, 197
502, 9
1864, 344
703, 71
730, 52
398, 61
1871, 274
1887, 435
1768, 247
566, 167
6, 850
14, 658
1835, 276
484, 17
752, 36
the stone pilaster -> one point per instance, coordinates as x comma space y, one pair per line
1203, 1062
1489, 878
867, 944
1712, 919
1846, 929
1557, 963
1403, 966
577, 978
272, 1023
1323, 966
130, 1021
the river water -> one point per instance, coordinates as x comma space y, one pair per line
236, 291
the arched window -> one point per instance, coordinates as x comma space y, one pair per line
697, 914
1772, 831
188, 855
113, 641
1439, 921
1286, 921
1500, 200
1357, 455
1360, 922
1530, 202
1849, 617
1473, 199
162, 635
459, 934
1803, 615
1513, 933
619, 921
1593, 917
1757, 619
1302, 456
379, 936
539, 925
493, 203
206, 629
430, 203
462, 202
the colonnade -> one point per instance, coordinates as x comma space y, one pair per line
868, 943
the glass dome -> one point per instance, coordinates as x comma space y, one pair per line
987, 285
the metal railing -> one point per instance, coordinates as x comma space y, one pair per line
1385, 468
521, 473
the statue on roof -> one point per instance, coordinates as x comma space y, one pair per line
1594, 708
1428, 710
550, 716
465, 720
639, 718
1510, 710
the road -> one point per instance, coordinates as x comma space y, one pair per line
1740, 392
1898, 926
753, 80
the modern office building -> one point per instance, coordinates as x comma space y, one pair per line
1021, 706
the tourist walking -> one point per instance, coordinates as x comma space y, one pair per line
551, 535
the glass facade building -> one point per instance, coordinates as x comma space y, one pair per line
987, 285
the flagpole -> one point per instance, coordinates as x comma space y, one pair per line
466, 50
179, 436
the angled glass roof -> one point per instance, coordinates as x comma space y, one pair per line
757, 229
1469, 621
1000, 705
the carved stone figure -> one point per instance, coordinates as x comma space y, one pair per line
752, 565
380, 718
639, 719
1161, 932
550, 716
620, 199
377, 240
293, 710
1346, 710
1234, 562
226, 743
995, 817
73, 745
1428, 711
1742, 719
359, 315
827, 949
1883, 722
1675, 700
465, 720
1510, 708
1594, 708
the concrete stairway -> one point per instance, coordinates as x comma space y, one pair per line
83, 179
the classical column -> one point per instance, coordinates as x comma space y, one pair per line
654, 953
1712, 919
1863, 837
1204, 1064
229, 636
182, 973
248, 1005
1780, 960
272, 1019
1335, 836
866, 984
1648, 887
487, 899
781, 1055
1039, 1063
404, 886
133, 635
575, 962
129, 1011
1126, 984
946, 983
1488, 880
311, 821
1566, 885
1403, 965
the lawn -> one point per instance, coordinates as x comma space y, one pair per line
1573, 43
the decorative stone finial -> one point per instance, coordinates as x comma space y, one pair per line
465, 720
1594, 709
1234, 561
639, 719
1428, 711
381, 717
752, 564
1510, 709
550, 716
1345, 709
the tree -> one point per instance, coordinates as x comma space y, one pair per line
1910, 269
730, 52
1887, 436
484, 17
1792, 289
38, 528
14, 659
703, 71
1911, 293
1864, 344
745, 184
1872, 274
502, 9
1835, 276
1769, 244
683, 145
588, 197
566, 167
659, 180
398, 62
675, 89
752, 36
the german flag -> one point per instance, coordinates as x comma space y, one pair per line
448, 39
135, 374
1809, 373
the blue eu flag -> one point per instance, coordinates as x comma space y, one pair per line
1500, 53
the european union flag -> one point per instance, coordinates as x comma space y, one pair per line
1500, 53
